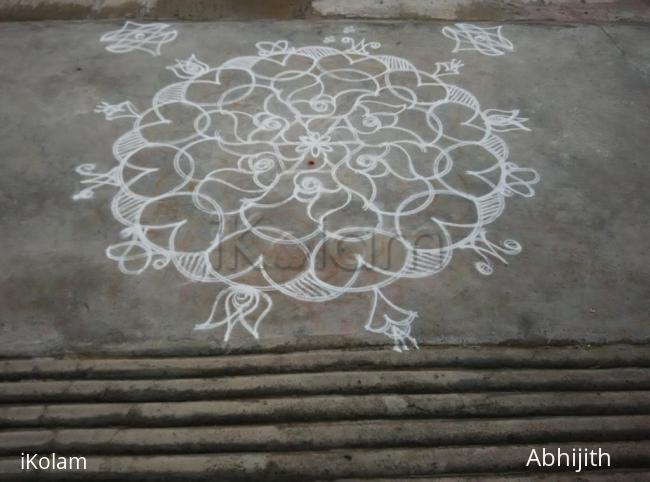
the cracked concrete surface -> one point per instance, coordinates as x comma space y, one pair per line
637, 55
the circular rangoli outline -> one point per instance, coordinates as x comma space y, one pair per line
324, 131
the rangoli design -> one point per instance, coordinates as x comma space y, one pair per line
310, 172
485, 40
148, 37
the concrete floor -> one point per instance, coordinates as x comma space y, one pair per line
583, 275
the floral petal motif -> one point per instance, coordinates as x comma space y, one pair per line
389, 319
314, 144
505, 120
189, 68
243, 306
448, 68
489, 250
485, 40
148, 37
117, 111
265, 49
517, 180
94, 179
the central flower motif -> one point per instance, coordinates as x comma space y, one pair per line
337, 160
314, 143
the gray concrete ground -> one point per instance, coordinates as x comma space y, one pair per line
583, 275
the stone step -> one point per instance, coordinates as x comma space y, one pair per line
325, 408
324, 435
321, 465
327, 414
612, 356
352, 382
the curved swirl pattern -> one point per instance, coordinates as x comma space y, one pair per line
336, 169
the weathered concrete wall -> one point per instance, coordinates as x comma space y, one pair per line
495, 10
181, 9
16, 10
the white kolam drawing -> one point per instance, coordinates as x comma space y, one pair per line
304, 155
485, 40
148, 37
